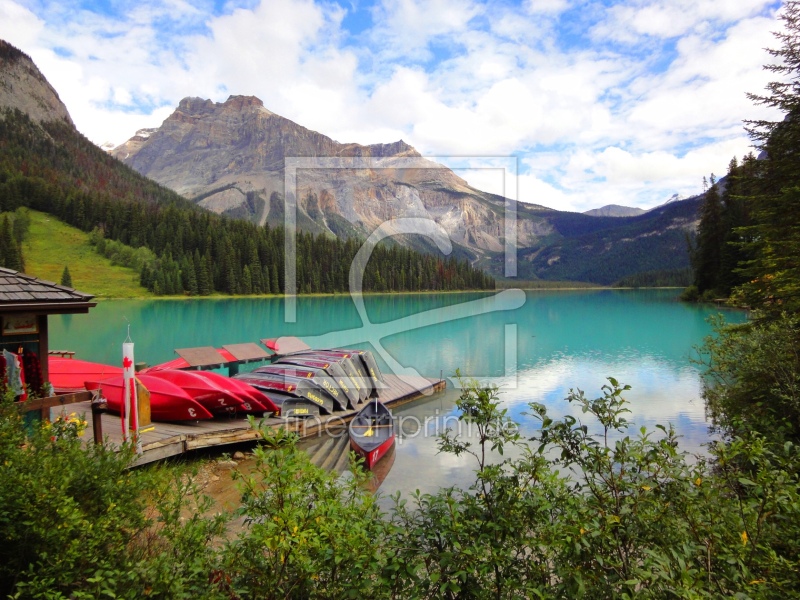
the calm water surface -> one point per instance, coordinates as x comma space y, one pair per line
535, 346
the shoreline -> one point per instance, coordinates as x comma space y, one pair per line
183, 298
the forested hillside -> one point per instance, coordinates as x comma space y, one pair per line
54, 169
607, 249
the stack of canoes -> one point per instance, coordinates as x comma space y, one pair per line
318, 382
305, 383
175, 395
187, 395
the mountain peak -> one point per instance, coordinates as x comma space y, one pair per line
241, 102
194, 106
11, 53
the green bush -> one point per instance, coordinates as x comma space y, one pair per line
308, 534
753, 377
585, 509
604, 515
76, 521
690, 294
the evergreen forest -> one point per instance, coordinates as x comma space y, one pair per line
177, 247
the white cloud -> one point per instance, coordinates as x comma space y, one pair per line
595, 121
547, 7
672, 18
27, 27
405, 27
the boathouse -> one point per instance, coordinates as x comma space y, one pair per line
25, 304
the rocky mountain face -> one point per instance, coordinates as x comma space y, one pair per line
23, 87
229, 157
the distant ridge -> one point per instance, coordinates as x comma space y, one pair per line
614, 210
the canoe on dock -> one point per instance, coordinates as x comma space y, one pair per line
292, 406
356, 375
294, 386
316, 376
363, 360
372, 432
168, 402
334, 369
67, 375
215, 399
258, 400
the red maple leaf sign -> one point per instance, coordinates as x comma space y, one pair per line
127, 362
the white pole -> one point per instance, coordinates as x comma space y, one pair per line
131, 404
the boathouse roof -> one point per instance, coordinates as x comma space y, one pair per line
23, 293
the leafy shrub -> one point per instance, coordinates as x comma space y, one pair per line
753, 377
308, 534
604, 515
76, 521
584, 510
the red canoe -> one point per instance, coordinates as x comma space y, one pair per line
168, 402
214, 398
69, 374
372, 432
249, 394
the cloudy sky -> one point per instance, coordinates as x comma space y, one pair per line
599, 101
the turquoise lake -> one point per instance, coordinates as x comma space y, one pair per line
535, 346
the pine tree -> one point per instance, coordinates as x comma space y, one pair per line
66, 278
710, 235
201, 274
10, 254
773, 272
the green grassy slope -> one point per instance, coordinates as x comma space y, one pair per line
51, 245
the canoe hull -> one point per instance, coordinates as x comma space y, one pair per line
292, 406
69, 374
319, 378
351, 367
334, 369
258, 402
372, 457
372, 433
213, 398
168, 402
294, 386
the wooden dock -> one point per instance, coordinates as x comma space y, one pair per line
172, 439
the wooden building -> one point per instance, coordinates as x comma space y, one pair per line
25, 304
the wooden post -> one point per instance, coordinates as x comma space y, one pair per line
97, 423
44, 349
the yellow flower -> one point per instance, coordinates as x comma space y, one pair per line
646, 488
757, 581
698, 481
744, 538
